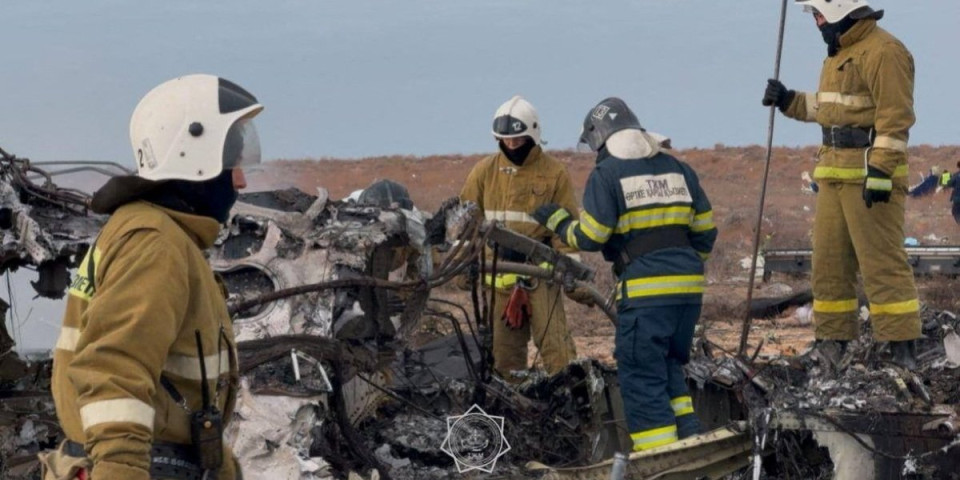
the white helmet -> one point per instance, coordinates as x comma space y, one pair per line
517, 118
834, 10
193, 128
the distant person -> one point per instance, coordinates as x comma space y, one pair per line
865, 108
506, 186
952, 181
134, 394
645, 210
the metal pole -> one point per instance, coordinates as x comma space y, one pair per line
763, 188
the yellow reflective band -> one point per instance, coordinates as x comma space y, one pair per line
857, 101
127, 410
835, 306
572, 235
81, 286
189, 367
654, 217
557, 217
884, 184
898, 308
509, 216
812, 105
704, 256
890, 143
839, 172
503, 280
945, 179
852, 173
68, 339
593, 229
702, 222
653, 438
665, 285
682, 405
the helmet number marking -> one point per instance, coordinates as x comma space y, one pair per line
600, 111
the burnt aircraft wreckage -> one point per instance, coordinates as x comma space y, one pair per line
328, 297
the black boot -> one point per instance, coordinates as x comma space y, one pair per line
904, 353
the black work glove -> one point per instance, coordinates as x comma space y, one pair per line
877, 187
552, 216
777, 94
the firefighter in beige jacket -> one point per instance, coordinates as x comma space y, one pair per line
508, 186
127, 368
864, 106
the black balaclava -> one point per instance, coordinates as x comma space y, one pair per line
210, 198
518, 155
832, 31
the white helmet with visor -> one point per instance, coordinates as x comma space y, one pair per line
193, 128
517, 118
835, 10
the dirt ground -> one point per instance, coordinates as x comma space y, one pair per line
732, 178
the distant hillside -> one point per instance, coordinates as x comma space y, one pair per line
730, 175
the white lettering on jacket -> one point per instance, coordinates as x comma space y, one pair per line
644, 190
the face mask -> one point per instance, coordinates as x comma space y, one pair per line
832, 31
211, 198
518, 155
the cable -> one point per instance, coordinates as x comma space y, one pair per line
546, 329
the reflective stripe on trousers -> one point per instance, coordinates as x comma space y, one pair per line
653, 438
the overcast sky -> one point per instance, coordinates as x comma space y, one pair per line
361, 78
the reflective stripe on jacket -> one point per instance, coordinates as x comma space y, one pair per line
869, 84
625, 199
133, 321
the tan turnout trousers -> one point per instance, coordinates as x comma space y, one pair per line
849, 237
547, 326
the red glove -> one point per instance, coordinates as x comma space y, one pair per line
517, 311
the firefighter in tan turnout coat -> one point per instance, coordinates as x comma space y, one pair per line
865, 108
127, 368
507, 186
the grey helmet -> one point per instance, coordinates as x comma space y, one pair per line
385, 193
609, 116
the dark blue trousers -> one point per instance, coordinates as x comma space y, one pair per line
652, 345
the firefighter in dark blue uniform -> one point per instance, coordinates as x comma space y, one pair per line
645, 210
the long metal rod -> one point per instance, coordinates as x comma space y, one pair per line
763, 187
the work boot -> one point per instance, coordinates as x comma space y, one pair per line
904, 353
